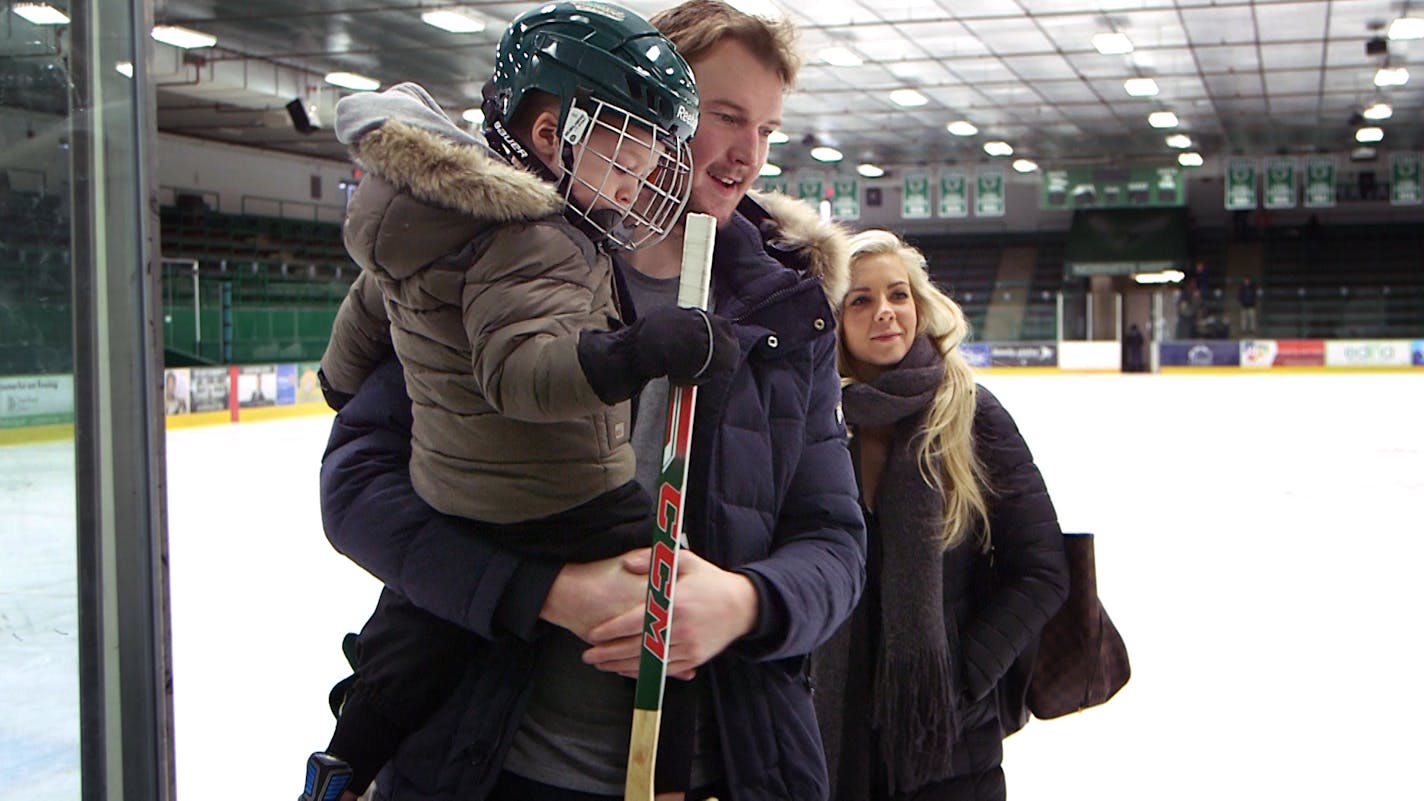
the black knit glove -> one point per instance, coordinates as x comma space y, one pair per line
689, 346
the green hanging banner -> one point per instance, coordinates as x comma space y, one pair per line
1404, 183
989, 193
953, 194
1107, 187
845, 199
811, 187
915, 202
1280, 183
1319, 181
775, 183
1240, 184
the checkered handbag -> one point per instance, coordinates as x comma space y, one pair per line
1081, 659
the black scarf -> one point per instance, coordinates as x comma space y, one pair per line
911, 714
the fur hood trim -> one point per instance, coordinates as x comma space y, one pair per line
824, 245
470, 179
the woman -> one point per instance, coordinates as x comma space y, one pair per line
965, 561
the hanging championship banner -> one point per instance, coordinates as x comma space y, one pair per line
1319, 181
1105, 187
1241, 184
989, 193
953, 194
915, 202
1280, 183
1404, 183
811, 187
845, 199
775, 183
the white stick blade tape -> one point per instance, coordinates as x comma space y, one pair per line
699, 233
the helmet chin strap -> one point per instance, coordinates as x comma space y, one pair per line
503, 141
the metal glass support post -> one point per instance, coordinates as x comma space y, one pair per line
125, 727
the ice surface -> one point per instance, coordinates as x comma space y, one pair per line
1259, 539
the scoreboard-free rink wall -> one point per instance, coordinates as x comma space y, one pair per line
1229, 355
38, 408
35, 408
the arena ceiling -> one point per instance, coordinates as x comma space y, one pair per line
1256, 77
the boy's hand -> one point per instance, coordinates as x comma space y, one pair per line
689, 346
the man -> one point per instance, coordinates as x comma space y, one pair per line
777, 542
1248, 297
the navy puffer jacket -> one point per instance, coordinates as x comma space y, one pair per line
780, 505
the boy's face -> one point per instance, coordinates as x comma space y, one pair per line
612, 167
628, 182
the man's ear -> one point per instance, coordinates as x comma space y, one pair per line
544, 137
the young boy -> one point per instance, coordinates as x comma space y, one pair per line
506, 317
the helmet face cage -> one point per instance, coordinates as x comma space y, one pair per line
626, 178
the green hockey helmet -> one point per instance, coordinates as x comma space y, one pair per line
612, 71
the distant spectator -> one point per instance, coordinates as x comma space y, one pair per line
1248, 297
1189, 306
1132, 350
1199, 278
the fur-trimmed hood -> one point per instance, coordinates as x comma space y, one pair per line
429, 187
793, 225
403, 136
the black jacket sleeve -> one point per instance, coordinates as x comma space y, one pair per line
372, 514
1031, 570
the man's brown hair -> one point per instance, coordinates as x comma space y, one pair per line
697, 26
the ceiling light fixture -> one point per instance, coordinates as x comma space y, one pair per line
185, 38
1160, 277
473, 116
777, 138
1189, 159
1369, 134
908, 98
1179, 141
1378, 111
453, 21
769, 170
1140, 87
826, 154
868, 170
1407, 28
997, 148
838, 56
1162, 119
1391, 76
41, 14
352, 81
124, 68
1112, 44
962, 128
1024, 165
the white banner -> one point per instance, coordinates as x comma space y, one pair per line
36, 400
1367, 353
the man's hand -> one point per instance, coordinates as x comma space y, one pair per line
587, 594
712, 607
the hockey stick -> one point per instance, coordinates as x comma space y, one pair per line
697, 239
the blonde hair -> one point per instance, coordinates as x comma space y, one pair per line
946, 442
696, 26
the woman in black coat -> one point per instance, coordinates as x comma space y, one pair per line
965, 562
